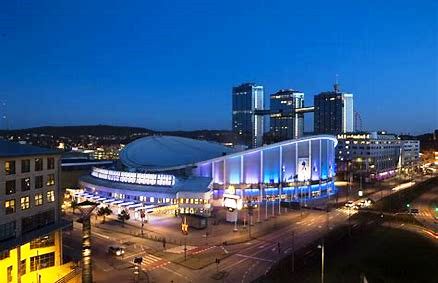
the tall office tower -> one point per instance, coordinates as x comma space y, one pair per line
285, 123
247, 98
30, 222
334, 112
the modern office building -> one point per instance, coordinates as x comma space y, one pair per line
30, 222
247, 98
334, 113
164, 174
285, 123
410, 153
372, 155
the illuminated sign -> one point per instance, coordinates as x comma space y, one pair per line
232, 201
303, 169
353, 136
134, 178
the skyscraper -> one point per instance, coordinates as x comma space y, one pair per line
334, 112
285, 124
247, 98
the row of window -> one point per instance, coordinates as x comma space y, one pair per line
42, 242
28, 224
10, 167
37, 221
193, 201
42, 261
7, 231
11, 185
25, 201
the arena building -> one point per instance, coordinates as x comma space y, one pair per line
175, 175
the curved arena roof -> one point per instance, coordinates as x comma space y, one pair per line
168, 152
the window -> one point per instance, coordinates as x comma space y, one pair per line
42, 261
38, 164
9, 274
23, 267
4, 254
7, 231
37, 221
10, 187
41, 242
50, 180
10, 167
50, 163
25, 184
38, 182
50, 196
24, 202
9, 206
25, 166
38, 199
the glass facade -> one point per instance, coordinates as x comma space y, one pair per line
334, 113
250, 127
285, 124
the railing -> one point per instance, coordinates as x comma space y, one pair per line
69, 276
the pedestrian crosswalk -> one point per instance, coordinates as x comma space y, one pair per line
152, 262
149, 262
424, 214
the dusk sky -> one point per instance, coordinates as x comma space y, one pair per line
170, 65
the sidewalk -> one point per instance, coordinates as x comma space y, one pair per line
169, 229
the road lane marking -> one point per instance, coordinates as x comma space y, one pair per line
225, 251
177, 273
256, 258
100, 235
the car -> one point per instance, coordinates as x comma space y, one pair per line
116, 250
349, 203
414, 210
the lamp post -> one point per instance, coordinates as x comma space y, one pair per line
86, 208
322, 260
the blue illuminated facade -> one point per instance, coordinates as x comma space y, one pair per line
300, 169
310, 159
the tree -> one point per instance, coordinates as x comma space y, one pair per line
103, 212
123, 215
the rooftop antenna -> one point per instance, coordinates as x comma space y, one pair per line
336, 85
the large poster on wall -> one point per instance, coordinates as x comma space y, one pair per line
303, 169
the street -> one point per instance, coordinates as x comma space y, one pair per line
241, 261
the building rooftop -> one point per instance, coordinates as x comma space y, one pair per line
164, 152
12, 149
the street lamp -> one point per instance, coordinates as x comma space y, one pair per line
322, 260
86, 208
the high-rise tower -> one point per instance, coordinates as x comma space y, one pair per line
247, 98
334, 113
285, 124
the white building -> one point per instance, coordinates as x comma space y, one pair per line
410, 153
